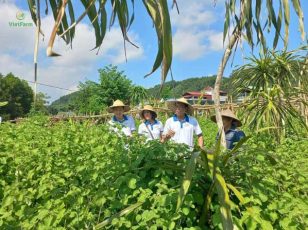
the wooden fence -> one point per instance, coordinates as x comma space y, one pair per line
199, 111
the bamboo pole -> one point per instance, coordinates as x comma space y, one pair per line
37, 37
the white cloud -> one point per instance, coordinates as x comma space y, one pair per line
72, 66
15, 39
193, 35
113, 47
215, 40
188, 46
193, 13
18, 67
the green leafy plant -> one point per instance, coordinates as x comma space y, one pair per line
77, 175
273, 80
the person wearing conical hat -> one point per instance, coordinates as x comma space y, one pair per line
182, 126
230, 123
151, 128
127, 122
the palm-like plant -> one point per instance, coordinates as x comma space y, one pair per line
138, 95
273, 79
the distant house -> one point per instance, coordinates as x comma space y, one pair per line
204, 96
243, 94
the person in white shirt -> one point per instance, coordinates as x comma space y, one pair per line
181, 127
151, 128
125, 121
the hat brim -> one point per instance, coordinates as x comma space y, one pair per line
239, 123
172, 106
126, 108
141, 113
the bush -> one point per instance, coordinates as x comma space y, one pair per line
72, 175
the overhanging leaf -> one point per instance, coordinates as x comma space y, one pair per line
190, 168
224, 200
299, 12
237, 193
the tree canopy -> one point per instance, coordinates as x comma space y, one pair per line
94, 97
17, 93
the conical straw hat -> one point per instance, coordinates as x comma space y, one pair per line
228, 113
172, 105
148, 108
118, 103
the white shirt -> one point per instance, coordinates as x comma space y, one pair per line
156, 129
128, 125
184, 130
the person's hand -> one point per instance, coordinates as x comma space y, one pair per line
170, 133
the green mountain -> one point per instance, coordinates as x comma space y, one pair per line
178, 88
171, 89
64, 104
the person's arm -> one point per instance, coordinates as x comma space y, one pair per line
200, 141
166, 135
198, 132
132, 124
240, 134
161, 130
237, 137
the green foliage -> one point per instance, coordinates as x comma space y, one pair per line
72, 175
3, 103
64, 104
17, 93
40, 104
138, 94
113, 85
275, 80
78, 175
122, 11
78, 101
94, 97
258, 16
273, 180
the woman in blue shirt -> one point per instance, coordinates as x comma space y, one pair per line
231, 123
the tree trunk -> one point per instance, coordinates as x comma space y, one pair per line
232, 41
222, 66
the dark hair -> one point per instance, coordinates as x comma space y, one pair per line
154, 115
185, 105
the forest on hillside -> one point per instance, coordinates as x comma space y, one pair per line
171, 89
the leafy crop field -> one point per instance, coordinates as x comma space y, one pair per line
79, 176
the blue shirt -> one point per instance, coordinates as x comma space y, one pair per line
150, 124
114, 118
233, 136
186, 119
184, 129
127, 124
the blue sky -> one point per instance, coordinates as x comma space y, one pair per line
197, 46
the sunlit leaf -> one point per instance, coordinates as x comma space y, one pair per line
190, 169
